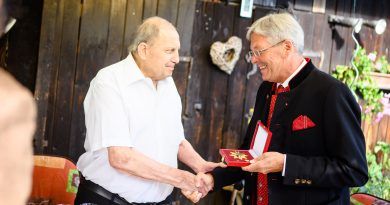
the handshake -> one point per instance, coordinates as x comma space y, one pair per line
195, 187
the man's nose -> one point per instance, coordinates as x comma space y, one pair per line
253, 59
176, 57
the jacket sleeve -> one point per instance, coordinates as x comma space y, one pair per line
345, 162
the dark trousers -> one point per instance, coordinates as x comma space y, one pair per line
89, 192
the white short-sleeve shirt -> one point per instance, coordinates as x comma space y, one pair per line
123, 108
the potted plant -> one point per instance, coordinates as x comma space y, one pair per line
361, 79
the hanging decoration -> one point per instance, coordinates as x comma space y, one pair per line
226, 55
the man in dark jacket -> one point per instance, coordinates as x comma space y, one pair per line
317, 150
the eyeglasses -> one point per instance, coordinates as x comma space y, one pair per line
259, 52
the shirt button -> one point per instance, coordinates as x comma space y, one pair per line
260, 184
247, 197
260, 198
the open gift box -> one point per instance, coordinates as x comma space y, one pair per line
240, 158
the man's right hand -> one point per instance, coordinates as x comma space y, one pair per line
193, 196
188, 181
206, 182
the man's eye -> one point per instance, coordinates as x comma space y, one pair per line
170, 51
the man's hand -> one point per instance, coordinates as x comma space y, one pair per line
193, 196
210, 166
189, 182
266, 163
206, 182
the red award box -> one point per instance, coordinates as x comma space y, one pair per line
240, 158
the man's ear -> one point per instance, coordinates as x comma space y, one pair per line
142, 49
288, 46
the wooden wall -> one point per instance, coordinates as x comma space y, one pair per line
78, 37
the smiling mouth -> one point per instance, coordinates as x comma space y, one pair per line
262, 67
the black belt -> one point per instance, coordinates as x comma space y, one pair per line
113, 197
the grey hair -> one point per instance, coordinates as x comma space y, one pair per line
279, 27
147, 31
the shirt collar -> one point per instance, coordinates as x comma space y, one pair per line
131, 73
285, 83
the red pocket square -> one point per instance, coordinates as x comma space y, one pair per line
302, 122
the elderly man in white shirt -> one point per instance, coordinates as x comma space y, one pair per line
134, 129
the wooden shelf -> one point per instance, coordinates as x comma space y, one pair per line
382, 80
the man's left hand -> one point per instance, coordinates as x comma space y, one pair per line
210, 166
266, 163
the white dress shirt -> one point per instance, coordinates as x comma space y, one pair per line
123, 108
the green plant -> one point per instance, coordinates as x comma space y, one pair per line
378, 172
363, 86
382, 65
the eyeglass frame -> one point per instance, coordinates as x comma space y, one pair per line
258, 53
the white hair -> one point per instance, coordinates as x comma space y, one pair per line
147, 31
279, 27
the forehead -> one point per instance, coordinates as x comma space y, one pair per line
167, 38
258, 41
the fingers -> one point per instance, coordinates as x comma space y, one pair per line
188, 182
254, 167
193, 196
266, 163
206, 183
210, 166
222, 165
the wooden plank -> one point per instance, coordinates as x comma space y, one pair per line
150, 8
180, 76
47, 66
388, 132
340, 35
303, 5
217, 96
115, 32
367, 133
384, 12
199, 77
283, 3
383, 129
184, 24
331, 6
366, 34
133, 19
374, 134
269, 3
61, 137
253, 82
322, 36
51, 149
92, 50
234, 117
306, 21
319, 6
23, 44
258, 2
168, 10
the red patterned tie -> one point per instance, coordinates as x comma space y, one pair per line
262, 182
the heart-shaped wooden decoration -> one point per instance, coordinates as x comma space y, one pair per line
225, 55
